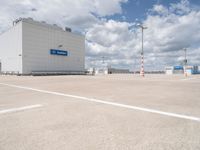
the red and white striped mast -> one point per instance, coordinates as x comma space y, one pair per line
142, 52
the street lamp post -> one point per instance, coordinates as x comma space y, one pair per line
103, 60
185, 62
142, 52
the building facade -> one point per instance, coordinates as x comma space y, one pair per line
31, 46
174, 70
192, 70
181, 69
118, 71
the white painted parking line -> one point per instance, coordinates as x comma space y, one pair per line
108, 103
189, 79
11, 110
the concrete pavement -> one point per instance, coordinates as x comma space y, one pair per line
72, 123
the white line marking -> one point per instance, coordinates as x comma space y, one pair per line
108, 103
189, 79
19, 109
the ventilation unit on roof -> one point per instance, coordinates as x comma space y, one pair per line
29, 18
68, 29
43, 22
16, 21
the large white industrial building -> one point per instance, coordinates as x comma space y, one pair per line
37, 47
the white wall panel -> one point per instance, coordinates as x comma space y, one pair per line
11, 49
39, 39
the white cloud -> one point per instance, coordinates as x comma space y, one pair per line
105, 7
172, 32
181, 8
170, 29
160, 9
82, 13
109, 33
112, 39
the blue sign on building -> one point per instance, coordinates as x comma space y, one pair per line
178, 67
58, 52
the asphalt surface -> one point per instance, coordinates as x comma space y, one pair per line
105, 112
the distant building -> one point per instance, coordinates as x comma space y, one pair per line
101, 71
174, 70
117, 71
180, 70
192, 70
90, 71
108, 70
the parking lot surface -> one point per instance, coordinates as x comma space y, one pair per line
104, 112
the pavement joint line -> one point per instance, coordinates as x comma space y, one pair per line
175, 115
12, 110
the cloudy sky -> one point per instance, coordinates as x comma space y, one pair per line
111, 31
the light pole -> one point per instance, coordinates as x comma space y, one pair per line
142, 52
103, 59
185, 62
